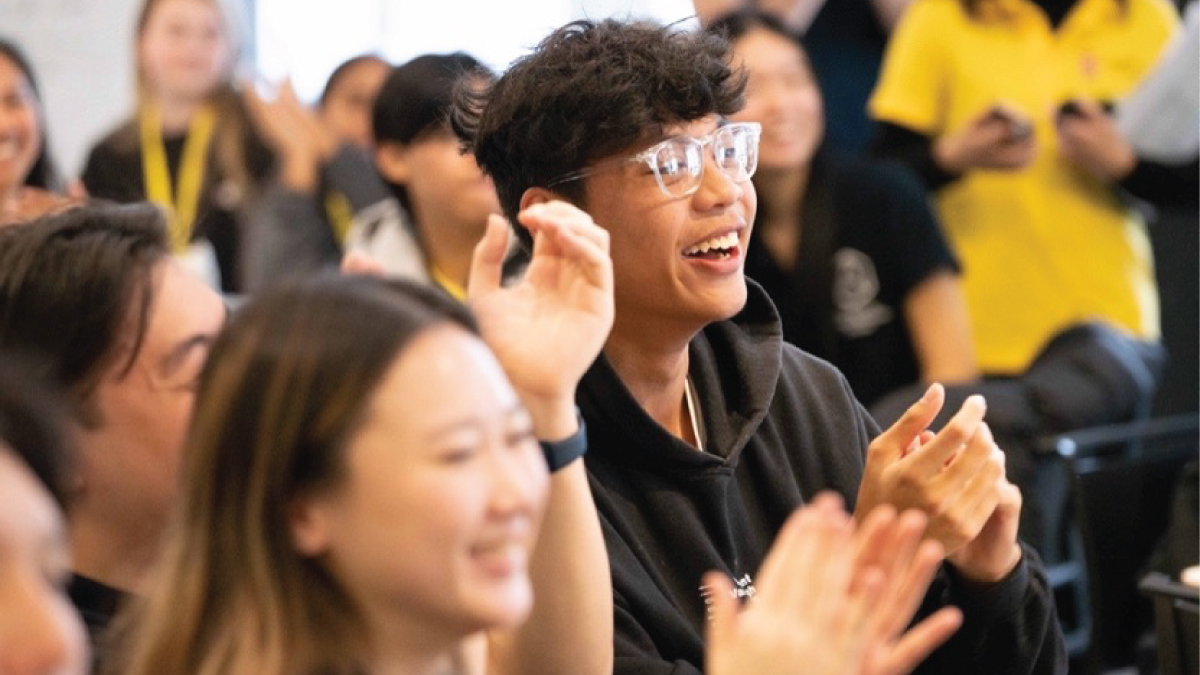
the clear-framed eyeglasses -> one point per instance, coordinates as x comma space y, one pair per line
678, 162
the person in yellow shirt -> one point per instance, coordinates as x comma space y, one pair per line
1000, 105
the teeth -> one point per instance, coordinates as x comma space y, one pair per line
721, 243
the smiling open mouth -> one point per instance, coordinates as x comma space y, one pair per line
717, 248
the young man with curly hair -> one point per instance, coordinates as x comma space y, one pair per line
705, 428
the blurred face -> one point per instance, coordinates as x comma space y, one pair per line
40, 631
20, 130
432, 527
782, 94
347, 109
132, 458
184, 50
677, 260
446, 186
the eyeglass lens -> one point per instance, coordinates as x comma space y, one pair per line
679, 163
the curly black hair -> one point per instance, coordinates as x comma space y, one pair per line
589, 91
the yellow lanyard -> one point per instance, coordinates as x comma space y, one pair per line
451, 286
337, 209
181, 204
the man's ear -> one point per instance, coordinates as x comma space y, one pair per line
309, 525
391, 159
538, 195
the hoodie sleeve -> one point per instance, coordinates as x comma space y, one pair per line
1008, 627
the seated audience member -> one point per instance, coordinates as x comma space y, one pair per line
845, 42
848, 250
189, 145
331, 415
300, 224
423, 220
335, 411
40, 631
860, 272
1022, 166
29, 183
705, 428
93, 298
442, 193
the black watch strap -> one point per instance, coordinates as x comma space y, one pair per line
561, 453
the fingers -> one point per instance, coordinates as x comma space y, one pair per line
487, 261
722, 609
911, 580
788, 552
562, 230
357, 262
921, 439
920, 640
874, 537
959, 431
980, 477
564, 213
900, 436
907, 565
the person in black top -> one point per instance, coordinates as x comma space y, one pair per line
849, 250
705, 430
124, 335
189, 146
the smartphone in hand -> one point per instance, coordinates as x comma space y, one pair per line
1070, 108
1019, 127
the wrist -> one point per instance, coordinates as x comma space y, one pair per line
561, 453
1123, 164
554, 418
946, 155
299, 174
988, 570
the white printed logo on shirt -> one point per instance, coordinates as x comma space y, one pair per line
856, 311
743, 590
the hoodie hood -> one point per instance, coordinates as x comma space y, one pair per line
734, 366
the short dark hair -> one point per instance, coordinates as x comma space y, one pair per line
587, 92
342, 70
43, 174
416, 99
71, 283
735, 24
417, 96
31, 428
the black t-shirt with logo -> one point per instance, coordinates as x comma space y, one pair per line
868, 238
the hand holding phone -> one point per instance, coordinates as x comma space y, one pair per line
1073, 108
1019, 127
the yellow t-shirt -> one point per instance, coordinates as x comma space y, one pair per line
1049, 245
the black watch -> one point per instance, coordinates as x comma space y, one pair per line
561, 453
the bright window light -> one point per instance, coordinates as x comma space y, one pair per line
306, 40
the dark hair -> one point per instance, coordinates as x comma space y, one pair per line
734, 25
31, 427
416, 99
72, 284
285, 387
343, 69
43, 174
591, 90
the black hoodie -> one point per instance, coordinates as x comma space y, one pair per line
780, 425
